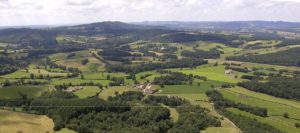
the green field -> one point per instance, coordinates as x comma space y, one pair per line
276, 107
283, 125
87, 91
189, 89
12, 92
77, 81
65, 130
111, 91
215, 73
14, 122
16, 75
75, 61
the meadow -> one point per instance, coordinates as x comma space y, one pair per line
276, 107
215, 73
88, 91
15, 122
13, 92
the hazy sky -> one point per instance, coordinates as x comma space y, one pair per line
45, 12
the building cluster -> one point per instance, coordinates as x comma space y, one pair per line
145, 87
74, 88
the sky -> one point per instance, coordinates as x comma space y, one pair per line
61, 12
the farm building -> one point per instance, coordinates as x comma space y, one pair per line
229, 71
145, 87
74, 88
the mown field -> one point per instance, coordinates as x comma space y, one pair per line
15, 122
276, 108
13, 92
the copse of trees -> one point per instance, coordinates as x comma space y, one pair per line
250, 77
211, 54
6, 69
285, 87
288, 42
172, 101
290, 57
249, 125
117, 81
174, 78
246, 124
84, 61
62, 107
114, 52
181, 63
221, 103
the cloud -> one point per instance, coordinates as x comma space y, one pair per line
27, 12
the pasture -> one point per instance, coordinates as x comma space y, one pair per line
112, 90
189, 89
88, 91
13, 92
215, 73
15, 122
276, 107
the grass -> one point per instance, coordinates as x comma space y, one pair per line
220, 130
87, 91
45, 73
77, 81
13, 122
111, 91
257, 65
75, 61
216, 73
284, 126
65, 130
189, 89
12, 92
16, 75
102, 75
152, 75
174, 115
276, 107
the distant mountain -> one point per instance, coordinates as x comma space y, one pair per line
28, 36
108, 27
234, 25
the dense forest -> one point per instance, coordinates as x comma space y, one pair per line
289, 57
119, 112
180, 63
285, 87
212, 54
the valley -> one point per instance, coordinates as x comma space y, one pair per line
112, 76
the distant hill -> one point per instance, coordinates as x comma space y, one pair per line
28, 36
234, 25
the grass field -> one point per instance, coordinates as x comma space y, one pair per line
12, 92
45, 73
189, 89
75, 61
215, 73
14, 122
16, 75
87, 91
276, 107
65, 130
102, 75
174, 115
111, 91
76, 81
257, 65
284, 126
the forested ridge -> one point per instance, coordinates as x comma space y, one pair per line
290, 57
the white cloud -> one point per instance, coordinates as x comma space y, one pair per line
25, 12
